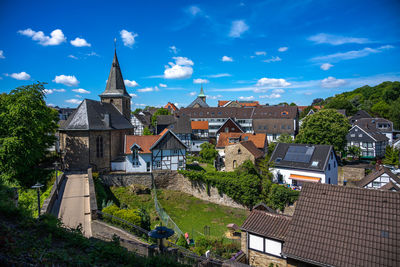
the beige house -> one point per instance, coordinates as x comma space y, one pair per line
238, 153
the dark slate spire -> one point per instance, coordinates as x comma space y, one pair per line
115, 84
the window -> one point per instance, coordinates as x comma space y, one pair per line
239, 151
180, 163
158, 164
331, 155
376, 184
283, 127
234, 163
265, 245
352, 135
329, 167
176, 151
256, 242
135, 157
329, 180
273, 136
360, 135
226, 129
99, 146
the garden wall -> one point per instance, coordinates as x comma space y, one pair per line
174, 181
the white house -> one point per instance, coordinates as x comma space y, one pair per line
297, 163
382, 178
152, 152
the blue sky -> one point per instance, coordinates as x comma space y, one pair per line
270, 51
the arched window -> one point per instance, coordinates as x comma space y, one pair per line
234, 164
99, 146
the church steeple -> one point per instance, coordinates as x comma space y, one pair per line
115, 92
202, 96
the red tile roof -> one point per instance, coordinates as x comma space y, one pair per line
222, 102
144, 141
259, 140
171, 105
199, 125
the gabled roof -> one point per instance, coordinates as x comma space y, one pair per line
259, 140
171, 106
320, 155
146, 142
274, 126
390, 186
374, 134
232, 121
222, 103
373, 175
178, 124
144, 118
344, 226
249, 145
371, 124
360, 114
115, 83
267, 224
199, 125
198, 101
92, 115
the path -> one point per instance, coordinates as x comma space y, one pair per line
74, 206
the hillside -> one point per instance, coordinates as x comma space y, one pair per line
382, 100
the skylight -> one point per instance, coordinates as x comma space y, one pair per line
314, 164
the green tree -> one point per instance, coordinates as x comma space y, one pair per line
391, 156
355, 151
27, 128
137, 111
279, 196
394, 113
146, 131
305, 111
285, 138
381, 109
340, 103
326, 127
208, 152
160, 111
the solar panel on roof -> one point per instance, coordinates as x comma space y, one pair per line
301, 154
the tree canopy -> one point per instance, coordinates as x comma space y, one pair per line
160, 111
208, 152
326, 127
27, 128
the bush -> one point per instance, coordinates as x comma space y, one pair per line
130, 216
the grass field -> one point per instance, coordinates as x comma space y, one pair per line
189, 213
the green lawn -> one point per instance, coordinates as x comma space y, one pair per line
189, 213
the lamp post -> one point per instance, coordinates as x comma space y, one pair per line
56, 168
63, 153
37, 186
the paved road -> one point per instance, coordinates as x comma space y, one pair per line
74, 206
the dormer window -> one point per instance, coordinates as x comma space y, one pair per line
135, 157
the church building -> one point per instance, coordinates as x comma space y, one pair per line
94, 134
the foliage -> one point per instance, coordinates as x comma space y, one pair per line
285, 138
182, 242
391, 156
340, 103
326, 127
317, 101
146, 131
27, 128
355, 151
103, 193
218, 246
280, 195
160, 111
208, 152
367, 98
137, 111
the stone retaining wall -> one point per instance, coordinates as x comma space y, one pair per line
48, 202
171, 180
350, 174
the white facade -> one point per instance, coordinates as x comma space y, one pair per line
143, 164
381, 181
265, 245
328, 176
173, 159
195, 145
138, 126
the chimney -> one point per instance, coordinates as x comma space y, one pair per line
107, 120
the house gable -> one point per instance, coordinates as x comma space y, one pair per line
168, 141
230, 126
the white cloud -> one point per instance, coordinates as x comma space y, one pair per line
219, 75
272, 59
133, 95
272, 82
194, 10
352, 54
57, 36
213, 97
246, 98
323, 38
80, 42
72, 56
93, 54
193, 93
148, 89
128, 37
131, 83
271, 96
2, 54
181, 69
278, 91
260, 53
227, 59
50, 105
283, 49
81, 91
73, 101
173, 49
238, 28
66, 80
162, 85
200, 81
20, 76
140, 105
183, 61
326, 66
332, 82
50, 91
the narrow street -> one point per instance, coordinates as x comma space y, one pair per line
73, 206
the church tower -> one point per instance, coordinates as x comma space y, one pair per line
202, 96
115, 92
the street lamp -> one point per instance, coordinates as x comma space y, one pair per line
56, 168
37, 186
